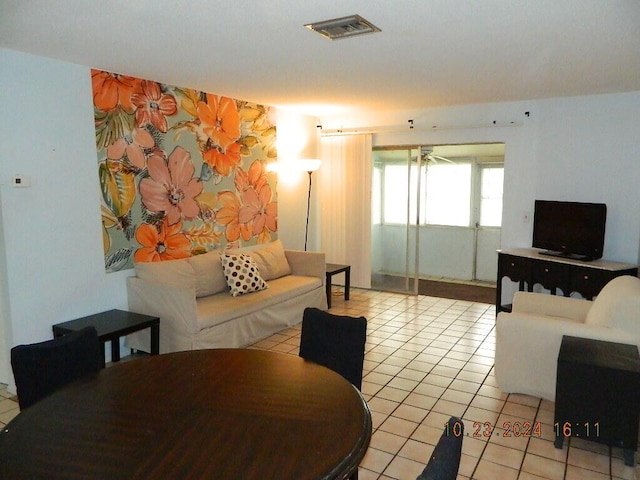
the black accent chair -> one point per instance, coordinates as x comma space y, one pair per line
334, 341
445, 460
41, 368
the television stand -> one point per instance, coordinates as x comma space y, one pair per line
569, 256
530, 266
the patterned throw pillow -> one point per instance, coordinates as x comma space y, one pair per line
242, 274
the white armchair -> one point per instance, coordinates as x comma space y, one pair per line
528, 339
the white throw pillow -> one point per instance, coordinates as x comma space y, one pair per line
242, 274
271, 260
170, 272
209, 273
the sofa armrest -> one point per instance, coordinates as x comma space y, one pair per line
551, 305
308, 264
174, 304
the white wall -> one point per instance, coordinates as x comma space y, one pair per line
52, 230
445, 252
5, 325
589, 150
297, 138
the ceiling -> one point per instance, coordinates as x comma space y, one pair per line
430, 53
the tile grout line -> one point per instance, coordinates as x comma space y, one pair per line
430, 371
401, 334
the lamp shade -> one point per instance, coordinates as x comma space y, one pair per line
308, 164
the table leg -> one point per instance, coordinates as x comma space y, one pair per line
347, 283
558, 441
115, 350
328, 291
102, 354
155, 339
629, 457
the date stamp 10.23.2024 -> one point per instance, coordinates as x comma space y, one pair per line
489, 429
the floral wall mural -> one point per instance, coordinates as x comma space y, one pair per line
181, 171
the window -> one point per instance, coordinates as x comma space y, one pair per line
376, 196
448, 191
458, 192
395, 194
492, 179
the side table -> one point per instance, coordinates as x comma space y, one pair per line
112, 325
598, 393
334, 269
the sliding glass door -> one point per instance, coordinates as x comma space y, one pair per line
397, 182
437, 214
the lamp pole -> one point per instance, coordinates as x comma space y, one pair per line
306, 232
308, 165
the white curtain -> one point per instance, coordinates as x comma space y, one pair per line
344, 194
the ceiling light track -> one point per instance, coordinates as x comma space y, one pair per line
412, 128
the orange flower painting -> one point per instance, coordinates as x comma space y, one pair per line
111, 90
181, 171
220, 122
171, 187
229, 216
163, 242
220, 119
133, 144
258, 210
223, 160
153, 106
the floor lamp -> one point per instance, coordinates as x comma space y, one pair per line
308, 165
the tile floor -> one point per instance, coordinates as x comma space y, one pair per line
8, 406
428, 359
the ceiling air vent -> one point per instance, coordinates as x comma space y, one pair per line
343, 27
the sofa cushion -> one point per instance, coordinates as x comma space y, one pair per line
209, 273
270, 258
242, 274
170, 272
617, 304
221, 308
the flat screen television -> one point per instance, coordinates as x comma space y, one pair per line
569, 229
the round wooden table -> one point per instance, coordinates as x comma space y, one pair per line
223, 414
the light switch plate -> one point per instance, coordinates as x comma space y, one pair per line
21, 181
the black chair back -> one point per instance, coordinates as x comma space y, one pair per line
445, 459
41, 368
334, 341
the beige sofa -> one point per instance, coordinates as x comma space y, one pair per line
528, 339
196, 309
